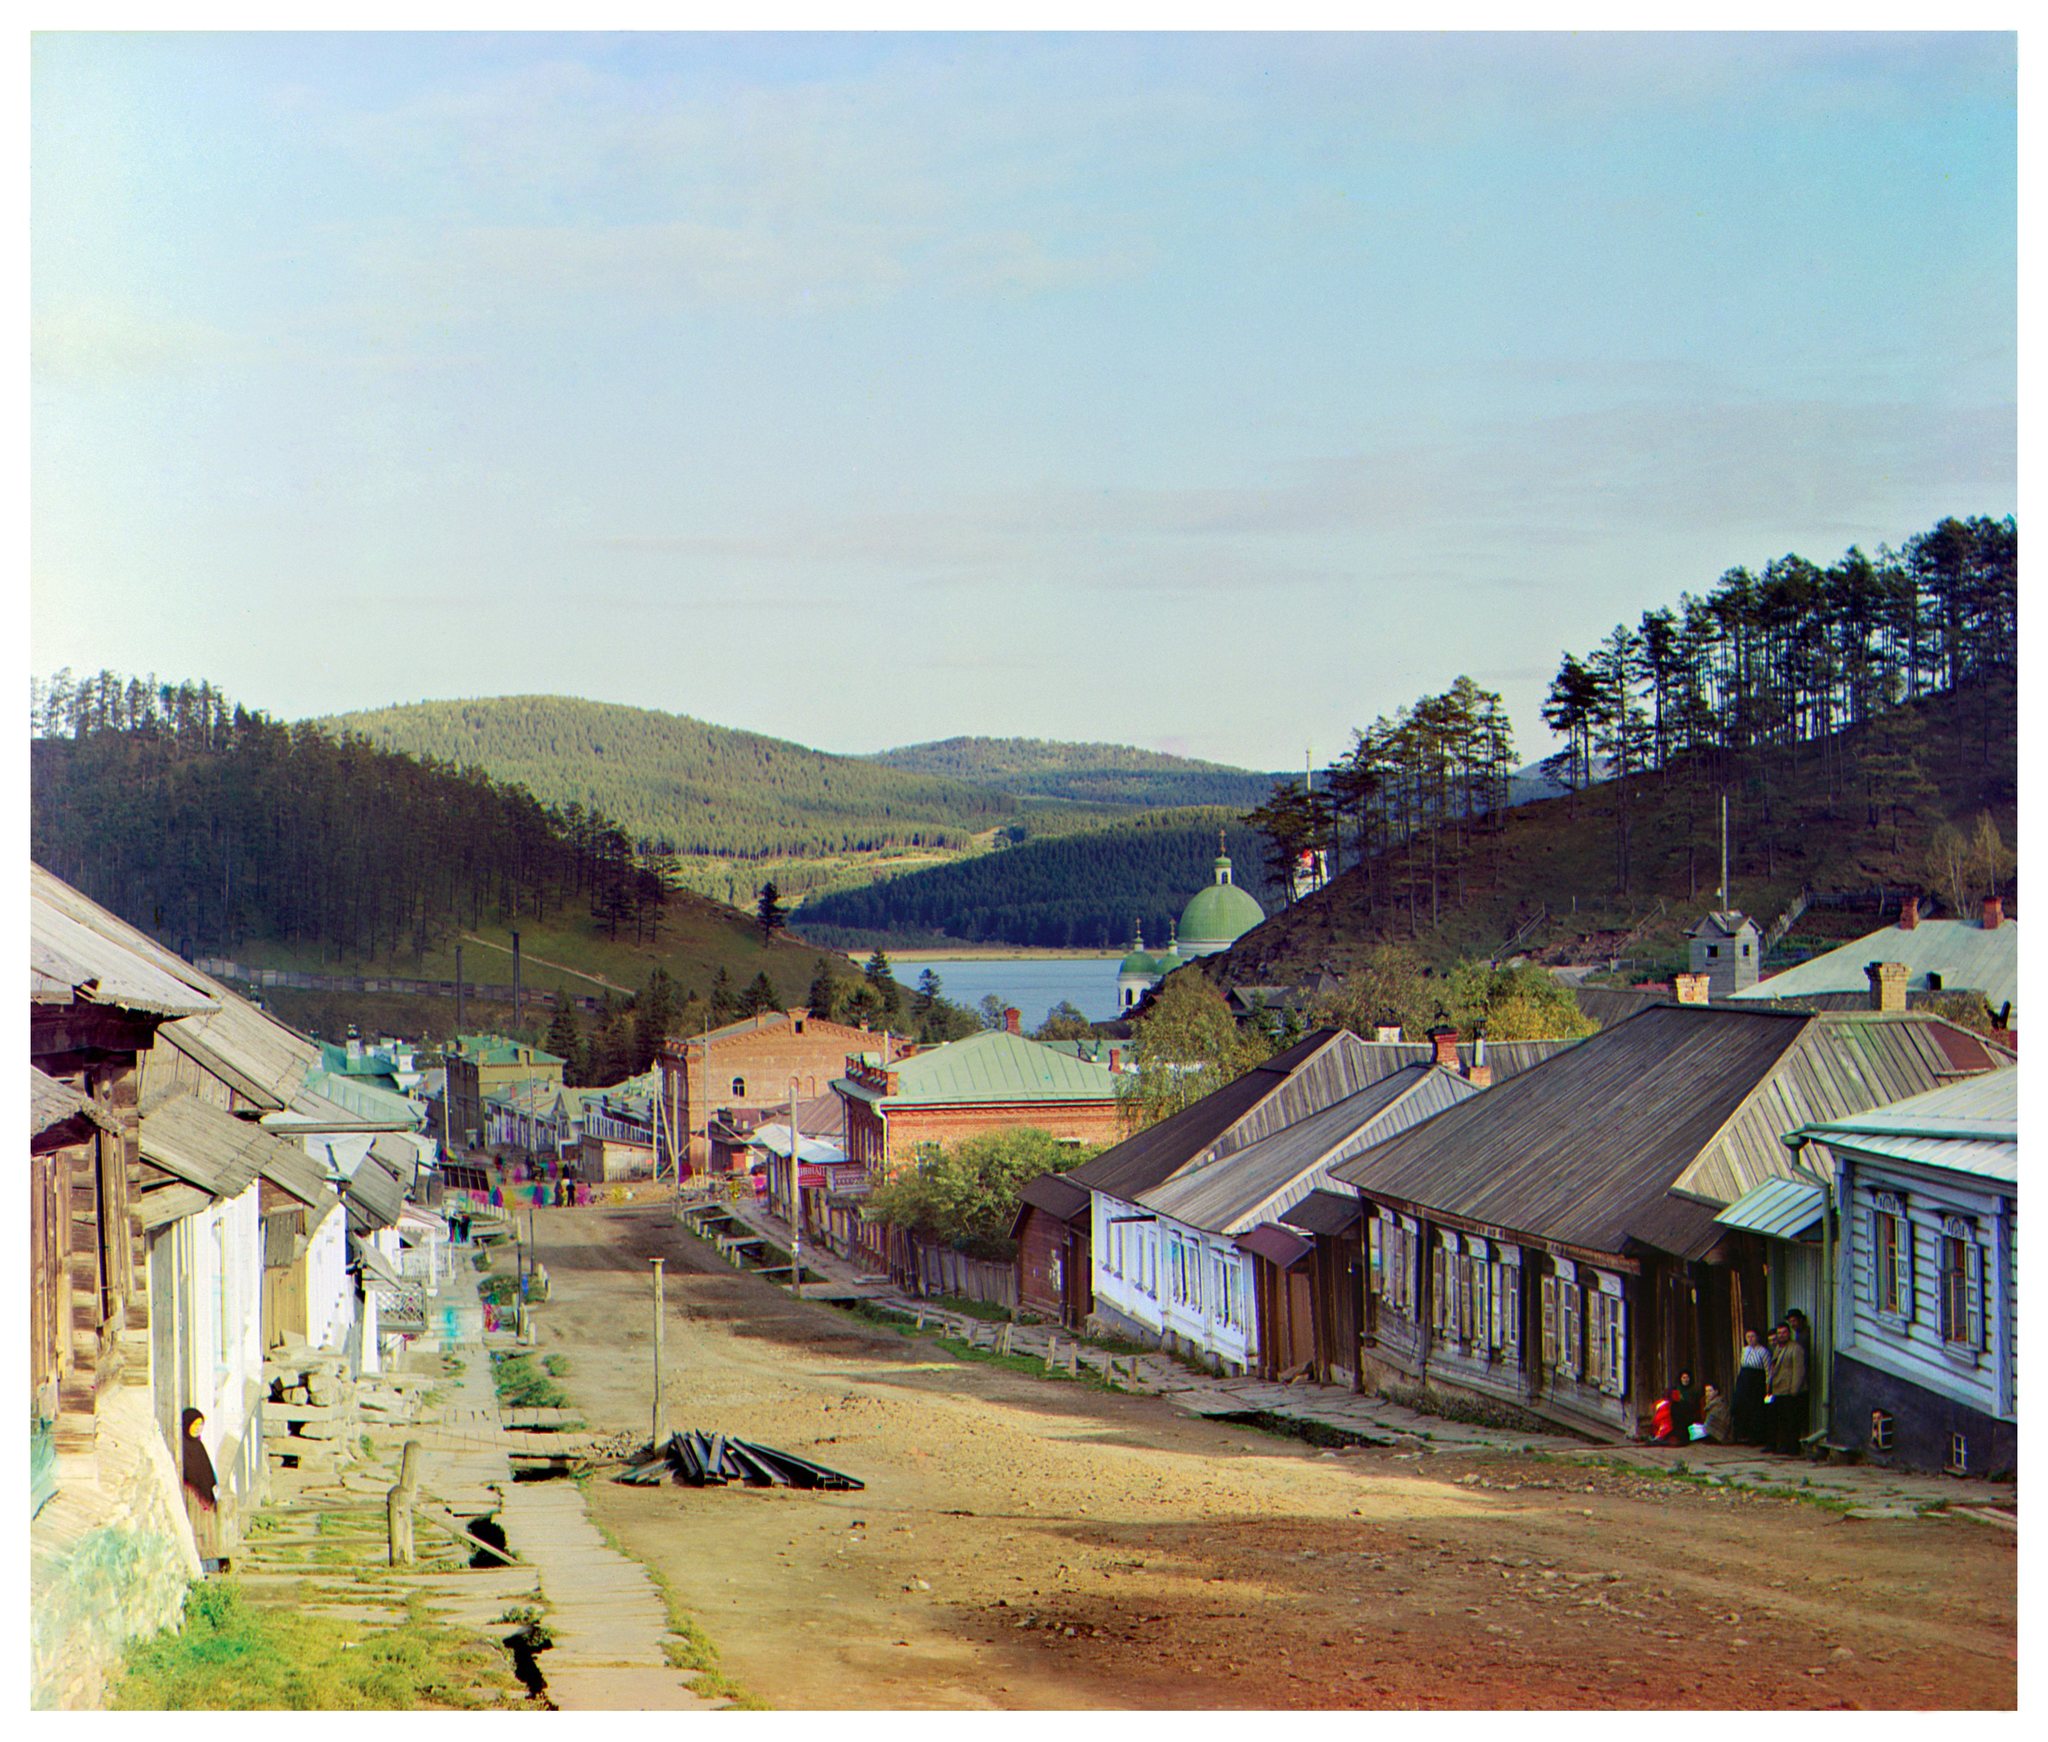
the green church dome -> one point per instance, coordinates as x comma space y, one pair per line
1218, 916
1137, 962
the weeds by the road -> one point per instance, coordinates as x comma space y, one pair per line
557, 1365
522, 1385
232, 1654
689, 1647
973, 1309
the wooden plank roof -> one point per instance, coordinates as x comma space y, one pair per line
77, 949
1320, 1068
205, 1146
1261, 1181
1587, 1149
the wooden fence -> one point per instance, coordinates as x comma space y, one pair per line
924, 1269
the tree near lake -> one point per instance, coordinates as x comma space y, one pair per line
966, 1195
1064, 1021
1187, 1045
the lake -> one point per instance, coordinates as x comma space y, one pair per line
1033, 984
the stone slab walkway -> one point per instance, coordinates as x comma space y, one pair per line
1868, 1490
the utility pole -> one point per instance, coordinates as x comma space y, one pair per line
1724, 852
796, 1202
658, 1434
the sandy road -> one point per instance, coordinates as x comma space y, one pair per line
1023, 1543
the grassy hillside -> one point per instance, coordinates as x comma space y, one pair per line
1075, 891
1838, 814
1091, 773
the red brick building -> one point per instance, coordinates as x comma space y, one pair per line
989, 1082
746, 1067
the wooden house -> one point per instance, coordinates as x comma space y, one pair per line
1331, 1272
1926, 1284
1236, 1289
1554, 1243
1051, 1231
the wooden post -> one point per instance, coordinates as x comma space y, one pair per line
398, 1505
659, 1435
796, 1203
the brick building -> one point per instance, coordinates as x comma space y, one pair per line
746, 1067
480, 1065
989, 1082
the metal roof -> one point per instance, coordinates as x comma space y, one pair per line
1780, 1209
1965, 955
1724, 922
76, 948
1971, 1127
498, 1049
819, 1150
204, 1146
1227, 1193
1585, 1150
991, 1067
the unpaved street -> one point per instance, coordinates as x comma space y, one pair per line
1024, 1543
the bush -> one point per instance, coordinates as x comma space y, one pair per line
966, 1195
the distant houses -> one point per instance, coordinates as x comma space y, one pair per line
1927, 956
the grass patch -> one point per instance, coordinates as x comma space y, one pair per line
481, 1258
557, 1365
974, 1309
522, 1384
232, 1654
889, 1318
688, 1646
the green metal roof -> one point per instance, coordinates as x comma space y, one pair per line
1970, 1127
495, 1049
1137, 962
1780, 1209
996, 1067
1966, 956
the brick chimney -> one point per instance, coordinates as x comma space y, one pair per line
1116, 1058
1994, 912
1445, 1040
1479, 1074
1909, 913
1887, 985
1013, 1020
1691, 988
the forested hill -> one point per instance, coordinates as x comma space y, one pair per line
1070, 892
688, 787
220, 830
1089, 773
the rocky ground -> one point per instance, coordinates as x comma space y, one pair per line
1029, 1543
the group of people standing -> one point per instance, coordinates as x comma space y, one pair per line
1769, 1407
1770, 1387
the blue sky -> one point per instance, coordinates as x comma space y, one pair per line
1209, 393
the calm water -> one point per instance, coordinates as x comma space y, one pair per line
1034, 986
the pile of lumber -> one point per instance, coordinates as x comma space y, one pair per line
713, 1460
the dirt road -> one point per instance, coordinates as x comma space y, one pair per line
1025, 1543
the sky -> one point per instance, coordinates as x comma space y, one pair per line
1214, 393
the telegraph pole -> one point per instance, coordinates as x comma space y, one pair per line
796, 1202
658, 1434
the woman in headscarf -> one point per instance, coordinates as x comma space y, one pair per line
1750, 1386
202, 1492
1685, 1405
1717, 1417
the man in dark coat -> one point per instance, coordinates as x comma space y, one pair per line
1787, 1400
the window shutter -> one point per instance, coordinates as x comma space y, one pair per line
1372, 1242
1973, 1285
1496, 1324
1436, 1287
1905, 1265
1569, 1313
1619, 1312
1550, 1321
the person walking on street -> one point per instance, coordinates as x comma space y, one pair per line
1787, 1400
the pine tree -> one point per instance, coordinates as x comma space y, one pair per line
565, 1038
824, 993
724, 1006
769, 913
760, 996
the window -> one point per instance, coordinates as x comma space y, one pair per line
1891, 1257
739, 1088
1561, 1322
1606, 1341
1962, 1292
1714, 950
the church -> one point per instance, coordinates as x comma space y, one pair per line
1210, 923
